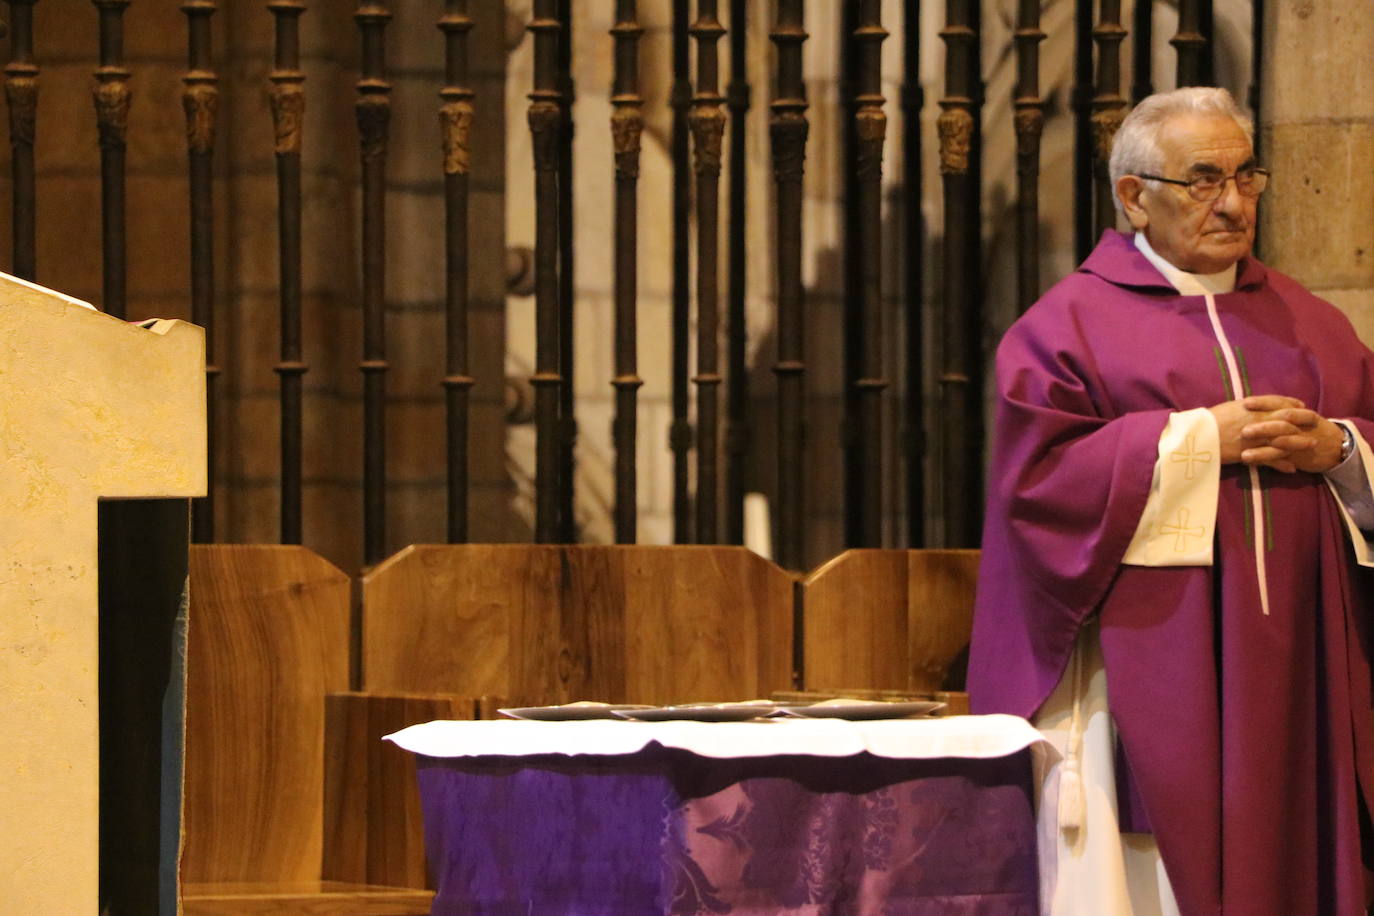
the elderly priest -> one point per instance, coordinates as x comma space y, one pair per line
1171, 583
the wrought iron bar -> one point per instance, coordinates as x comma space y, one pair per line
1081, 105
455, 119
21, 92
1030, 121
288, 110
1207, 25
788, 128
870, 127
112, 94
544, 117
1142, 56
200, 98
567, 417
373, 111
680, 433
737, 392
852, 292
913, 246
1109, 108
958, 460
627, 123
913, 243
708, 130
1189, 42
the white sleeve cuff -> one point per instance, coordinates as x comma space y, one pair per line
1177, 526
1350, 485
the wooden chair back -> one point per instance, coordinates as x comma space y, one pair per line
554, 624
887, 619
268, 640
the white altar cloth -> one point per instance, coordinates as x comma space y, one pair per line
956, 736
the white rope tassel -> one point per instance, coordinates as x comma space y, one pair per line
1256, 495
1071, 800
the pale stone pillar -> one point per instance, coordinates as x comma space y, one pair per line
1317, 133
90, 407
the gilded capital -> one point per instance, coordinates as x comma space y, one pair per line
288, 113
112, 97
455, 119
956, 139
708, 132
201, 102
626, 126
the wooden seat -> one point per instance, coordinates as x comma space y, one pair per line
268, 639
551, 624
896, 620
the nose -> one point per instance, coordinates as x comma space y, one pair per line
1230, 203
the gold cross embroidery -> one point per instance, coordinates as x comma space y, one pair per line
1191, 456
1181, 531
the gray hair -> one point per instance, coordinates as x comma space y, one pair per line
1134, 149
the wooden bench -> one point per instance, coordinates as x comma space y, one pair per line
269, 639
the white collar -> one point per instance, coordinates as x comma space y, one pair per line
1188, 284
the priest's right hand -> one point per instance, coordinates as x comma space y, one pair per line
1277, 426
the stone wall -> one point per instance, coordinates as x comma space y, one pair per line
1318, 135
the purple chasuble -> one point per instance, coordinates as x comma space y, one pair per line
1248, 736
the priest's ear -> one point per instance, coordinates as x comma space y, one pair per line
1128, 191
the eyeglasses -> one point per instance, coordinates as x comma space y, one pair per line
1250, 182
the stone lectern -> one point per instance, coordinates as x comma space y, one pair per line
103, 436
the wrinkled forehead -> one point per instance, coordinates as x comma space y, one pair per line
1191, 143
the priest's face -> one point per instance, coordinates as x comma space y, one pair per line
1196, 236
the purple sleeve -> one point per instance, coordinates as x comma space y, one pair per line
1067, 485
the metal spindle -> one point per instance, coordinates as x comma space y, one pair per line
455, 119
958, 460
870, 128
1142, 58
788, 128
1189, 43
21, 92
708, 130
567, 417
200, 98
852, 292
373, 110
1109, 109
544, 116
288, 111
1081, 105
111, 93
913, 247
680, 433
1030, 121
1207, 25
737, 438
627, 123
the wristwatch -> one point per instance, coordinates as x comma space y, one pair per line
1348, 445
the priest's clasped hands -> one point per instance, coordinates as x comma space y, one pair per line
1279, 432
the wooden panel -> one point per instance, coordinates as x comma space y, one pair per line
373, 828
268, 640
334, 898
548, 624
887, 619
940, 587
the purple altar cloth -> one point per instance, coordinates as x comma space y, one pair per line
667, 831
